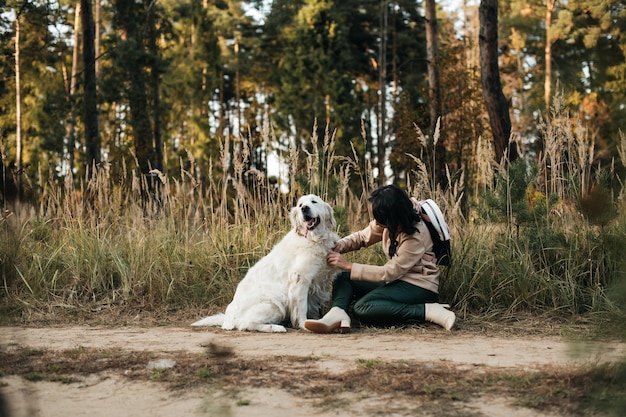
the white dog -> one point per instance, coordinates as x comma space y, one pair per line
291, 282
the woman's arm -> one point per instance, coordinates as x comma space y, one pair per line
373, 233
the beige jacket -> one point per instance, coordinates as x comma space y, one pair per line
408, 264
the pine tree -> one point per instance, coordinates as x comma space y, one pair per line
131, 59
496, 103
90, 97
35, 71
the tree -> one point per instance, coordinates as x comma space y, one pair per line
411, 102
90, 97
315, 67
432, 48
18, 104
597, 33
71, 84
581, 45
548, 53
155, 83
495, 101
207, 86
32, 98
322, 70
131, 59
434, 88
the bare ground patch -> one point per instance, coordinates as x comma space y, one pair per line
414, 370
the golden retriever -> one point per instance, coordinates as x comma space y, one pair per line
292, 282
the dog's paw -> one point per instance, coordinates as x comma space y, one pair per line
267, 328
277, 328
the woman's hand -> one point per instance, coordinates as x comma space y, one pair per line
335, 259
340, 247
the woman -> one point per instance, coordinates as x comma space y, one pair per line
405, 288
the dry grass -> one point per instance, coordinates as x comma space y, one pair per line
120, 242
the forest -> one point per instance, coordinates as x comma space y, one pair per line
153, 84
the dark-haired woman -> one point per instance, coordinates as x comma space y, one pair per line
405, 289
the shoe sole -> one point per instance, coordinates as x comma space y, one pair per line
317, 327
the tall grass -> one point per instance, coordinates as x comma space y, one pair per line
529, 239
546, 235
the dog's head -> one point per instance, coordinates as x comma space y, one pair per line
312, 215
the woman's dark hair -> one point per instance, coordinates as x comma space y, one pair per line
392, 207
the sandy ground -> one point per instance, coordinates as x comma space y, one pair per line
111, 394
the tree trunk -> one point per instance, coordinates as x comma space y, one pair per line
18, 109
140, 120
137, 97
434, 89
239, 131
496, 103
98, 37
382, 85
71, 134
432, 53
548, 55
92, 134
156, 95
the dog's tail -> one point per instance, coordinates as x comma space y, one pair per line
214, 320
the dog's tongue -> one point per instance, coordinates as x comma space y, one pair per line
307, 226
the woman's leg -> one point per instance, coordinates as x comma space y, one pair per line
337, 317
345, 290
394, 303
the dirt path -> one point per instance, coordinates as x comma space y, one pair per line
430, 345
111, 394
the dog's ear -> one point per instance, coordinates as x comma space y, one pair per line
293, 216
330, 216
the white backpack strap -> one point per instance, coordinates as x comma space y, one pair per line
432, 213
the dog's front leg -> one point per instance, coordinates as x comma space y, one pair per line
297, 298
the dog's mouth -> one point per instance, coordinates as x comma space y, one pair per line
310, 223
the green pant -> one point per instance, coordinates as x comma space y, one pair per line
381, 304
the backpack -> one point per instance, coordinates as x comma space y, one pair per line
438, 228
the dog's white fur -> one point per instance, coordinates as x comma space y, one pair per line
292, 282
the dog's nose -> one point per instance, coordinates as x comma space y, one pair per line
305, 209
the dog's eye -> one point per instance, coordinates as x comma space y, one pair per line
314, 201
